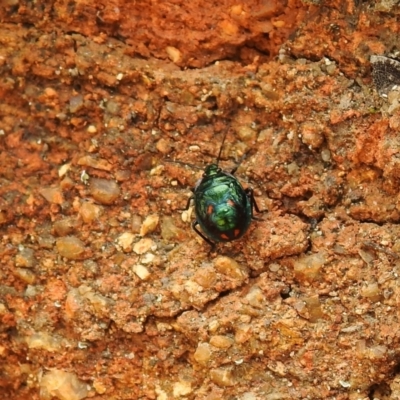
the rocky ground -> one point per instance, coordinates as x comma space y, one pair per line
109, 112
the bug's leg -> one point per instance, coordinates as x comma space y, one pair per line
194, 224
234, 169
253, 203
238, 164
188, 202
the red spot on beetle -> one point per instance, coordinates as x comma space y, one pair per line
230, 203
236, 232
210, 209
223, 236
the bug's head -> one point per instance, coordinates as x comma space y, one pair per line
211, 170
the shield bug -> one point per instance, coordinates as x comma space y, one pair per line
223, 208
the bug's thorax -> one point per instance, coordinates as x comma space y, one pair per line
210, 172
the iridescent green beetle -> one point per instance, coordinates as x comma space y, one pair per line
224, 209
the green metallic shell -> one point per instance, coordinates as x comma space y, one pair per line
223, 208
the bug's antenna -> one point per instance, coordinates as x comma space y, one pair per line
182, 163
222, 146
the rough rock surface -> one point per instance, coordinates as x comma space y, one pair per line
105, 290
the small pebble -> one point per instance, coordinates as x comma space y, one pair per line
143, 245
371, 291
222, 377
221, 341
89, 212
136, 223
125, 241
157, 171
213, 326
331, 68
63, 170
308, 267
52, 195
101, 304
164, 146
85, 177
161, 394
312, 135
141, 271
246, 134
104, 191
230, 267
46, 241
249, 396
75, 103
99, 386
243, 333
206, 277
67, 184
44, 341
187, 214
149, 224
325, 155
255, 297
174, 54
50, 92
203, 353
147, 258
113, 107
66, 226
181, 389
169, 231
25, 258
70, 247
122, 175
274, 267
62, 385
96, 163
25, 275
73, 304
229, 28
92, 129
